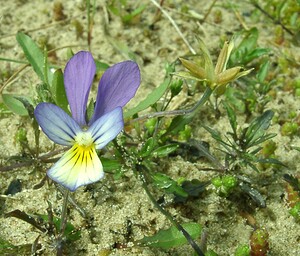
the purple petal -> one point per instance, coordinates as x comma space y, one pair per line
117, 86
107, 127
78, 78
56, 124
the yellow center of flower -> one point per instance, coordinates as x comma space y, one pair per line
83, 151
84, 140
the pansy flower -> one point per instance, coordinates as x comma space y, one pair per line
80, 165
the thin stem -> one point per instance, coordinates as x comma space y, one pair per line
193, 110
209, 10
275, 21
167, 214
174, 25
63, 223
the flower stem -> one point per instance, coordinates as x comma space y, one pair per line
63, 223
190, 240
193, 110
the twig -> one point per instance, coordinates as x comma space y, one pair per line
276, 21
209, 10
174, 25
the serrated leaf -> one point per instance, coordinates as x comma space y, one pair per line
15, 105
172, 237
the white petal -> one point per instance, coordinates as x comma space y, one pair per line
78, 166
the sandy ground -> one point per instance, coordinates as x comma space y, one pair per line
110, 203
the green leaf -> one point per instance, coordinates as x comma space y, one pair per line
5, 244
15, 105
165, 150
152, 98
34, 55
178, 124
169, 185
263, 71
172, 237
147, 147
257, 128
193, 188
188, 75
110, 165
8, 249
255, 54
58, 90
232, 117
128, 17
101, 66
70, 232
254, 194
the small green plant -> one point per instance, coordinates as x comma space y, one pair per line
121, 8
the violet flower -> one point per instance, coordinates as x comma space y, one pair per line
80, 165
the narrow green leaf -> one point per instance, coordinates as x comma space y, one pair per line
147, 148
293, 181
128, 17
232, 117
169, 185
110, 164
165, 150
254, 194
178, 123
193, 188
152, 98
263, 71
58, 90
171, 237
33, 54
101, 66
70, 232
188, 75
255, 54
258, 127
14, 104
